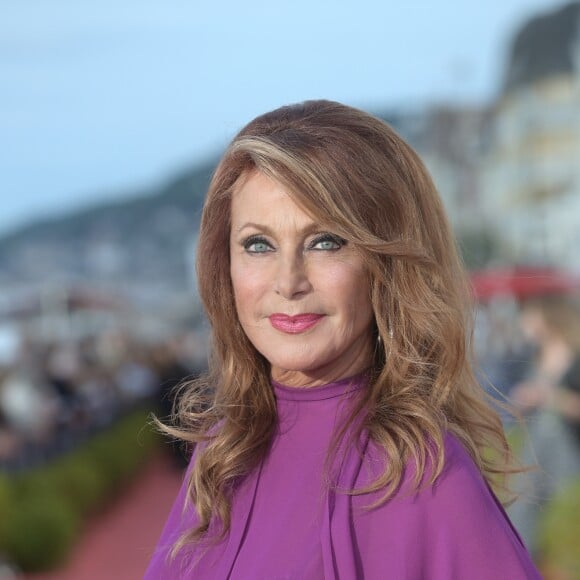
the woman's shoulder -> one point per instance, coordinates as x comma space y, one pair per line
460, 485
457, 462
459, 496
458, 465
455, 525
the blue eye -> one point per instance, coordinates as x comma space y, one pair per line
327, 242
257, 245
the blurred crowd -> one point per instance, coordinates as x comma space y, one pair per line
55, 394
531, 352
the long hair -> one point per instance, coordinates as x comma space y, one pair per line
349, 170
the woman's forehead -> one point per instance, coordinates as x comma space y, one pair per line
256, 188
262, 200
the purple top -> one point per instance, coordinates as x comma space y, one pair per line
289, 523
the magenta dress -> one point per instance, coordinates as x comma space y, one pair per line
291, 522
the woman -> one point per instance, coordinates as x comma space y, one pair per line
346, 437
551, 399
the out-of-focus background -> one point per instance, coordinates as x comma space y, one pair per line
112, 118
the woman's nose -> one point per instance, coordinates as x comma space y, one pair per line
291, 278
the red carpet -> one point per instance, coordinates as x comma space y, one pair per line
117, 544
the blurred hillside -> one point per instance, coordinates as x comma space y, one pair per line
143, 239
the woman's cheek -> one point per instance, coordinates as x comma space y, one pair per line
249, 285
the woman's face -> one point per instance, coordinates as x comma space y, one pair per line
302, 292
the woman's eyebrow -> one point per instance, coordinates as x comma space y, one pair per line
255, 226
306, 230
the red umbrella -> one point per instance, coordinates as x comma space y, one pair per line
522, 282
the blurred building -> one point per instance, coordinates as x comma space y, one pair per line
451, 141
532, 180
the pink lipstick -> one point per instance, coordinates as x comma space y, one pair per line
294, 324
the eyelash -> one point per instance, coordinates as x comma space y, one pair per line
248, 243
325, 237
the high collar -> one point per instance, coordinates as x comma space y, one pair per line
328, 391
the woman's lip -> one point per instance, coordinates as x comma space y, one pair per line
294, 324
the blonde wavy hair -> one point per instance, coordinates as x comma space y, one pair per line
349, 170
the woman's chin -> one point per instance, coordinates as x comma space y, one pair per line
288, 367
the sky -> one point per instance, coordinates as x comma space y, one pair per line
101, 100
